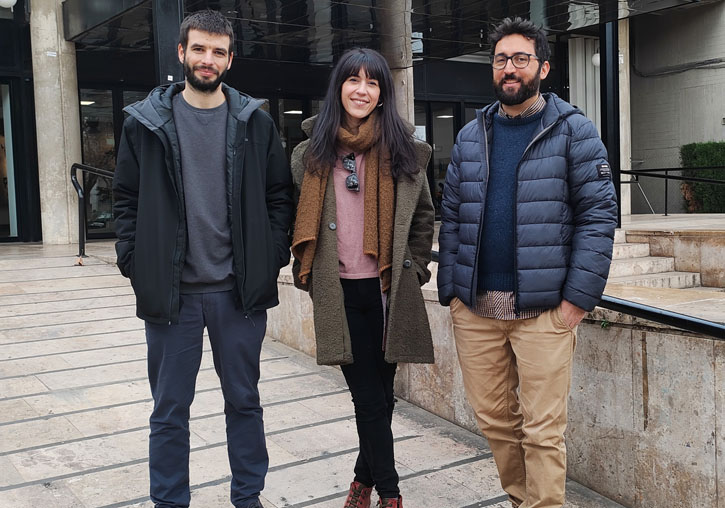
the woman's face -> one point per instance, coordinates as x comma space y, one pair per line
359, 96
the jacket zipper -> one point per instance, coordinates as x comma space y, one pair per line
516, 202
238, 214
474, 284
173, 297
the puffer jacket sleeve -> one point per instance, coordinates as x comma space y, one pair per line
448, 239
593, 201
125, 198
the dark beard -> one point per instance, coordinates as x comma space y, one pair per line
201, 85
526, 91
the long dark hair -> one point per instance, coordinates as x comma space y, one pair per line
322, 151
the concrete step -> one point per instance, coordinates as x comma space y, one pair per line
674, 280
620, 236
639, 266
630, 250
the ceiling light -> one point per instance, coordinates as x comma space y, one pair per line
293, 112
444, 116
87, 103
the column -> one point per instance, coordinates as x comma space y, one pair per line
57, 121
625, 117
395, 45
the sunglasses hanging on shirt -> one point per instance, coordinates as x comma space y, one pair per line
351, 182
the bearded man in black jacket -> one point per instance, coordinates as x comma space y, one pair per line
203, 206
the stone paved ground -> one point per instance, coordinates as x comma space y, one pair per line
74, 404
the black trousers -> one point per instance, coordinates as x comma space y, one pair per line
370, 379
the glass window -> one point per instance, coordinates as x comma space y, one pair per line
291, 114
421, 131
98, 151
131, 96
8, 210
443, 132
470, 113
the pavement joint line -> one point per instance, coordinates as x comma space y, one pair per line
60, 291
132, 380
136, 429
81, 367
488, 502
30, 281
142, 401
97, 263
69, 310
71, 336
134, 462
224, 479
343, 493
70, 352
71, 322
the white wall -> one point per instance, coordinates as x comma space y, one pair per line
675, 109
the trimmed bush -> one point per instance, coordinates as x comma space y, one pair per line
703, 197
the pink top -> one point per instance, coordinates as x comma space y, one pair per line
351, 223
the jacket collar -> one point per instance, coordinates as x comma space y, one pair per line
155, 110
555, 110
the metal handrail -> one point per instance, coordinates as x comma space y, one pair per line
103, 173
649, 173
655, 314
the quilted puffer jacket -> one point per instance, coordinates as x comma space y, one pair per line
565, 212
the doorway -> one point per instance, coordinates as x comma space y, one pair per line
8, 207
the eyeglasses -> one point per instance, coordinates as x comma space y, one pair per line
351, 182
520, 60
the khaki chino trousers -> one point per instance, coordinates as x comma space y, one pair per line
517, 376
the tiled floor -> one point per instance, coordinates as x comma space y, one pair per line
74, 406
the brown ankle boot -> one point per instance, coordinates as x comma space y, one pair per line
359, 496
391, 502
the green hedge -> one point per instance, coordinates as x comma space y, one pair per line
703, 197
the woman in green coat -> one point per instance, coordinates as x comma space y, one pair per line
362, 243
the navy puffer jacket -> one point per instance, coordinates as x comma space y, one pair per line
565, 213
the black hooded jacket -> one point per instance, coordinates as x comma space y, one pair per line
150, 212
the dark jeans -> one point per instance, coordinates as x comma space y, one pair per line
174, 357
370, 379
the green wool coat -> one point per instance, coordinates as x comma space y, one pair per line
408, 331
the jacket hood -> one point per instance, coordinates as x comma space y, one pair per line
555, 109
309, 123
155, 110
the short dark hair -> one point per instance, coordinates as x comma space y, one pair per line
209, 21
522, 27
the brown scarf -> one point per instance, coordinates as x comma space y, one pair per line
379, 202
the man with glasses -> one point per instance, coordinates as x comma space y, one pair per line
527, 226
203, 205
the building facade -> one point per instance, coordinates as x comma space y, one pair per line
69, 67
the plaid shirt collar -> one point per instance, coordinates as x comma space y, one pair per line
537, 106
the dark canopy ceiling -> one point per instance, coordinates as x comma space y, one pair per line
316, 31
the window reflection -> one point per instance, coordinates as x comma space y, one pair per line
291, 114
99, 146
8, 216
443, 136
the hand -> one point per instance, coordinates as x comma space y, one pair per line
571, 313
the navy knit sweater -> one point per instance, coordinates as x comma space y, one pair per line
511, 136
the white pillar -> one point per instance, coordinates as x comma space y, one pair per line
625, 117
57, 121
396, 32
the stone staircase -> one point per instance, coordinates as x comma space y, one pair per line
632, 265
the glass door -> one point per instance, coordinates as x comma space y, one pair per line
8, 208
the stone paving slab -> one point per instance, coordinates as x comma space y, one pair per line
74, 406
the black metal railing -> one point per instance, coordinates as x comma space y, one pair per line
657, 315
103, 173
656, 173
